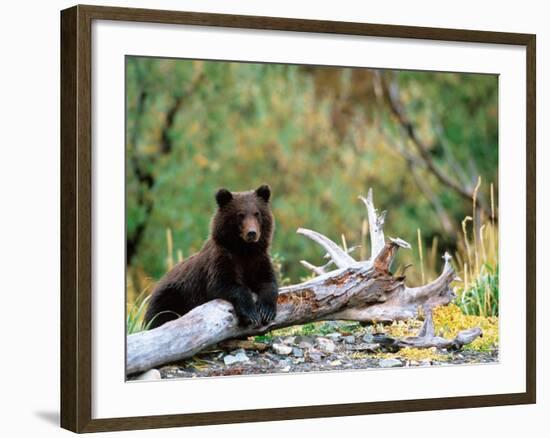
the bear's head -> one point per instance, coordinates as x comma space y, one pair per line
243, 219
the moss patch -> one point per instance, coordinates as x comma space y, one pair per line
418, 354
320, 328
449, 320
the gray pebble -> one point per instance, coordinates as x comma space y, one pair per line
315, 356
301, 338
282, 349
368, 338
153, 374
371, 348
390, 363
326, 345
239, 357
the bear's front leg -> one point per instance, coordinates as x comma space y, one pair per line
243, 303
267, 301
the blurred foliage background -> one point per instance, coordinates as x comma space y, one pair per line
426, 142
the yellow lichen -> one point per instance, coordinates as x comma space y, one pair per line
358, 355
449, 320
417, 354
401, 329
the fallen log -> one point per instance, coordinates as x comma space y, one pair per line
363, 291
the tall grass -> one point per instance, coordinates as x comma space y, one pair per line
475, 260
481, 296
136, 303
420, 255
135, 312
477, 255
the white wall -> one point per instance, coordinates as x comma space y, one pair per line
29, 231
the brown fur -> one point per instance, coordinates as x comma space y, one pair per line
233, 264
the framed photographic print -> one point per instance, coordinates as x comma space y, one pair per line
341, 214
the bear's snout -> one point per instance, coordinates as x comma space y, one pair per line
251, 235
250, 230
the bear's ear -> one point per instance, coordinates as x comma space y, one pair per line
264, 192
223, 196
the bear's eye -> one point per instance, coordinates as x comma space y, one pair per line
257, 214
241, 215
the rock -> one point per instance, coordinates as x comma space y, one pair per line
229, 359
153, 374
326, 345
368, 338
336, 362
305, 345
242, 357
289, 340
283, 349
264, 362
315, 355
390, 363
239, 357
285, 369
334, 336
371, 348
297, 352
301, 338
275, 358
350, 339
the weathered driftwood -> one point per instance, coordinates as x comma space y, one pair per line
426, 337
356, 290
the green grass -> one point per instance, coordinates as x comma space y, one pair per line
135, 313
482, 295
320, 328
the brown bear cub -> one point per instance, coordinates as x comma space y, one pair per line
233, 264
